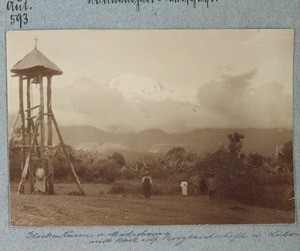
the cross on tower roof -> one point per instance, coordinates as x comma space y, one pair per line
36, 40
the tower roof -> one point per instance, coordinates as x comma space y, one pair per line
36, 62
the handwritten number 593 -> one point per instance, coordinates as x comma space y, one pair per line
21, 19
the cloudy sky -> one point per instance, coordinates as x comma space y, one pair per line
173, 80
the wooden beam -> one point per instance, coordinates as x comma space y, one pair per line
29, 122
41, 112
32, 108
28, 110
28, 160
21, 108
20, 147
36, 140
49, 142
33, 117
67, 154
42, 123
30, 118
23, 77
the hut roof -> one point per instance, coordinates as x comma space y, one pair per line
219, 160
35, 62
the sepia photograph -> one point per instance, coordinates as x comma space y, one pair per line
150, 127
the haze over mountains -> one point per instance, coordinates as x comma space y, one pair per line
263, 141
133, 103
139, 114
201, 141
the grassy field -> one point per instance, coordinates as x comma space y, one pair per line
99, 208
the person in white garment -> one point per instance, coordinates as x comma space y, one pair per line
40, 181
183, 186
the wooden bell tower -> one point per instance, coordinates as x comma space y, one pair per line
37, 121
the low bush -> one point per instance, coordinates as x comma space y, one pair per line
104, 170
276, 197
257, 192
276, 179
127, 173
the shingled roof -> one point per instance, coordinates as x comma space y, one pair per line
226, 166
218, 161
35, 62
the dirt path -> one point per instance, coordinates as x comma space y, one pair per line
98, 209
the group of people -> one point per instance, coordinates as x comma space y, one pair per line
211, 186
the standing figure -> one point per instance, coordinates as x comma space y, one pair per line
183, 186
202, 186
211, 186
146, 183
40, 181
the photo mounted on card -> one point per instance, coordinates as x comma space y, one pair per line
150, 127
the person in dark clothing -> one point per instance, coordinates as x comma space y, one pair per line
212, 187
202, 186
146, 184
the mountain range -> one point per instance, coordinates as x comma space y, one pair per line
262, 141
139, 114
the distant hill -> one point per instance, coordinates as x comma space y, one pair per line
263, 141
200, 140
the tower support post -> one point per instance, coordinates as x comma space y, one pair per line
42, 125
49, 139
29, 134
67, 155
22, 116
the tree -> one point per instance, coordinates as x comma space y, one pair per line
118, 158
235, 144
62, 169
178, 153
287, 154
256, 159
105, 170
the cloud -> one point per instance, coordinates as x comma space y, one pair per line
230, 101
89, 103
236, 101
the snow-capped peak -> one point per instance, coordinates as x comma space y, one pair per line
136, 87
